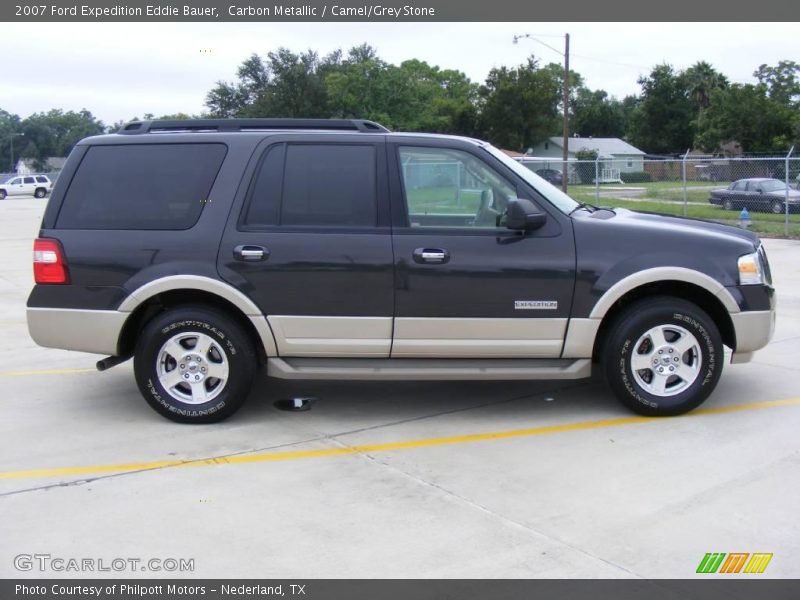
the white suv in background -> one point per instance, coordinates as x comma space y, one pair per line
26, 185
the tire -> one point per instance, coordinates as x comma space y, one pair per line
40, 193
776, 207
2, 194
691, 355
166, 353
727, 204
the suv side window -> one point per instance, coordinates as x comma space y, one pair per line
29, 180
331, 185
41, 179
15, 181
452, 188
141, 186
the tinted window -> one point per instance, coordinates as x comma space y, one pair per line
29, 180
329, 185
315, 185
265, 201
41, 179
141, 186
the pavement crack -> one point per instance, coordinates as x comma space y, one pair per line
486, 510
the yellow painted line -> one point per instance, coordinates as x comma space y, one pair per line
45, 372
384, 447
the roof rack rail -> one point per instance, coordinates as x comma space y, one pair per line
227, 125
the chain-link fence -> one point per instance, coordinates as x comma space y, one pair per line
762, 194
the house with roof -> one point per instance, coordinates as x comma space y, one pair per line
27, 166
616, 156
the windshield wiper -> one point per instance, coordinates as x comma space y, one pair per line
585, 205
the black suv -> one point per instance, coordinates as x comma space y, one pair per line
335, 249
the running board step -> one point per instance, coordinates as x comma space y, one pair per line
428, 368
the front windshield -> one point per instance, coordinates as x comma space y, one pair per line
556, 197
773, 186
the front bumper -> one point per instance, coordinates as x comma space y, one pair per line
753, 330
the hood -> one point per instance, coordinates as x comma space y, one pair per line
793, 194
672, 226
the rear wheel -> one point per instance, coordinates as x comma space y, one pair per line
663, 356
40, 193
194, 364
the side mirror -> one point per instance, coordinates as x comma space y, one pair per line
522, 215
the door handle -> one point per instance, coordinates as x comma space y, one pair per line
431, 256
250, 253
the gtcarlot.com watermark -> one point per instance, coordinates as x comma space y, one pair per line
47, 563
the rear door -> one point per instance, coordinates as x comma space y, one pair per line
311, 244
466, 286
28, 185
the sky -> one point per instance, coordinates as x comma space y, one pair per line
124, 70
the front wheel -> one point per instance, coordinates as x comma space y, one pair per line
727, 204
194, 364
2, 194
663, 356
777, 207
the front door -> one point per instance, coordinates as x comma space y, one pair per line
465, 285
312, 245
15, 187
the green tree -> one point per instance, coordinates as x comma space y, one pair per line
9, 124
749, 115
55, 132
782, 81
284, 84
662, 122
520, 105
586, 171
702, 79
595, 114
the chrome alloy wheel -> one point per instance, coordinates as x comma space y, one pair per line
192, 367
666, 360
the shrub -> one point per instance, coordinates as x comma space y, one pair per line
636, 177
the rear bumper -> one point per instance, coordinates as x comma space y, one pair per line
95, 331
754, 330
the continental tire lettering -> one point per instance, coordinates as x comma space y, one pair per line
712, 358
629, 385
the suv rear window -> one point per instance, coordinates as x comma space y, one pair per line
141, 186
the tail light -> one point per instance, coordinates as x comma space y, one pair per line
49, 264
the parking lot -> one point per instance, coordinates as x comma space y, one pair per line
394, 480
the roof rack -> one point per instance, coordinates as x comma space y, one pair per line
226, 125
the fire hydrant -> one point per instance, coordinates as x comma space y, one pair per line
744, 219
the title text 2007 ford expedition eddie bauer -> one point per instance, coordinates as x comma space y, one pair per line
335, 249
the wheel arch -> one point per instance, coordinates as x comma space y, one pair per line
169, 292
712, 303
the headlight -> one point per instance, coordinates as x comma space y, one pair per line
751, 272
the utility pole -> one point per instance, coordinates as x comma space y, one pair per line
565, 99
11, 149
565, 170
